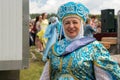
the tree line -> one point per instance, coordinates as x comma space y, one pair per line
53, 14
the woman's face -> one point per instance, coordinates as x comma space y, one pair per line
71, 26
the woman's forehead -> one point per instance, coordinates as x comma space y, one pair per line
71, 19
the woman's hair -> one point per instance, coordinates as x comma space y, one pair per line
93, 17
88, 21
36, 20
43, 15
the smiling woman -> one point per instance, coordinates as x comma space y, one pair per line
71, 27
77, 57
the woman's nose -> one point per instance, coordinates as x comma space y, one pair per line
71, 25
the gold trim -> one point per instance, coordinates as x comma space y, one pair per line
53, 51
95, 63
68, 68
60, 67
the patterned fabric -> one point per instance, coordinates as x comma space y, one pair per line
72, 8
79, 64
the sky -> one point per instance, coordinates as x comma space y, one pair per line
51, 6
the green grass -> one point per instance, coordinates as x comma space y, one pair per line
35, 68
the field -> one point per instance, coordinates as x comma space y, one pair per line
35, 67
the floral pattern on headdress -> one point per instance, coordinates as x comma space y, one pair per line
72, 8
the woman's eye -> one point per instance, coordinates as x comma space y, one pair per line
67, 23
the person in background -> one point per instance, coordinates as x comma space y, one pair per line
31, 39
33, 31
93, 22
44, 23
38, 42
38, 26
98, 27
77, 57
40, 34
88, 29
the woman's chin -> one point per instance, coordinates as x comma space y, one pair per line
71, 37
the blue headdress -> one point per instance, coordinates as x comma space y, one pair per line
72, 8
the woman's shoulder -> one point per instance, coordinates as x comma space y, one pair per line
59, 47
97, 44
99, 49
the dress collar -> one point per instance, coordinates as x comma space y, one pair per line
65, 47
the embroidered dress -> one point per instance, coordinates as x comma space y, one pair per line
68, 62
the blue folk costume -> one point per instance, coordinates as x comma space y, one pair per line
81, 58
77, 60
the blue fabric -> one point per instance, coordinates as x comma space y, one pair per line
74, 9
77, 44
52, 36
78, 65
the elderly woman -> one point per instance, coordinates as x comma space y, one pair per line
77, 57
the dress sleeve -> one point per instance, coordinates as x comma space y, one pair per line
104, 64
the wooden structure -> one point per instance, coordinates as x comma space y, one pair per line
109, 41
